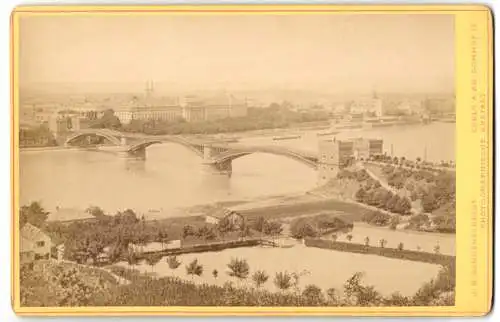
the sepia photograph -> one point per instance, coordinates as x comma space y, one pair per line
236, 160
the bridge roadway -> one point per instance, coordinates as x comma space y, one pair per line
216, 153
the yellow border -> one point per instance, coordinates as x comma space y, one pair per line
473, 28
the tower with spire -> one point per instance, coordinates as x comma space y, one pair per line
374, 93
149, 88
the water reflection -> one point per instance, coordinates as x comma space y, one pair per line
133, 164
215, 182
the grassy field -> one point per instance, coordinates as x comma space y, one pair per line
300, 209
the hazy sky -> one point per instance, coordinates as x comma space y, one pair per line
336, 52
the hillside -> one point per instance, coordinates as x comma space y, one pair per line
47, 283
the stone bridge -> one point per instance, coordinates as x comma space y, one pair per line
216, 155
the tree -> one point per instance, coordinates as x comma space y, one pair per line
429, 203
162, 237
152, 260
396, 299
349, 237
403, 206
259, 224
273, 228
173, 262
215, 273
108, 121
361, 195
115, 252
401, 246
126, 217
238, 268
94, 247
259, 278
301, 228
33, 214
394, 222
132, 259
224, 225
334, 237
283, 280
392, 202
194, 268
313, 295
245, 231
359, 294
296, 280
95, 211
206, 233
187, 231
332, 295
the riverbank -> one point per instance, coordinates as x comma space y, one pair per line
46, 148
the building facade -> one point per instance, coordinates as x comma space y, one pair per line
190, 108
335, 155
62, 125
371, 106
365, 148
151, 113
196, 109
232, 219
34, 244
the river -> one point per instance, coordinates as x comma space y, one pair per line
172, 176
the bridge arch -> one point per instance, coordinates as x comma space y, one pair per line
230, 155
108, 135
197, 148
142, 145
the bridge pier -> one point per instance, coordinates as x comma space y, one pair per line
221, 168
137, 154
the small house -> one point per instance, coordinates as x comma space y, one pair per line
34, 244
233, 219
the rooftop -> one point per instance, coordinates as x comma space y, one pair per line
220, 213
68, 214
30, 232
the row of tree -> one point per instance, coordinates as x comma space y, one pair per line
86, 240
275, 116
383, 199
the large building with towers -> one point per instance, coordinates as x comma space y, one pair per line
191, 108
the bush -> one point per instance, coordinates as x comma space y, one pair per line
445, 224
301, 228
417, 221
376, 218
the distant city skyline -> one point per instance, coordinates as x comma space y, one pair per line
326, 53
